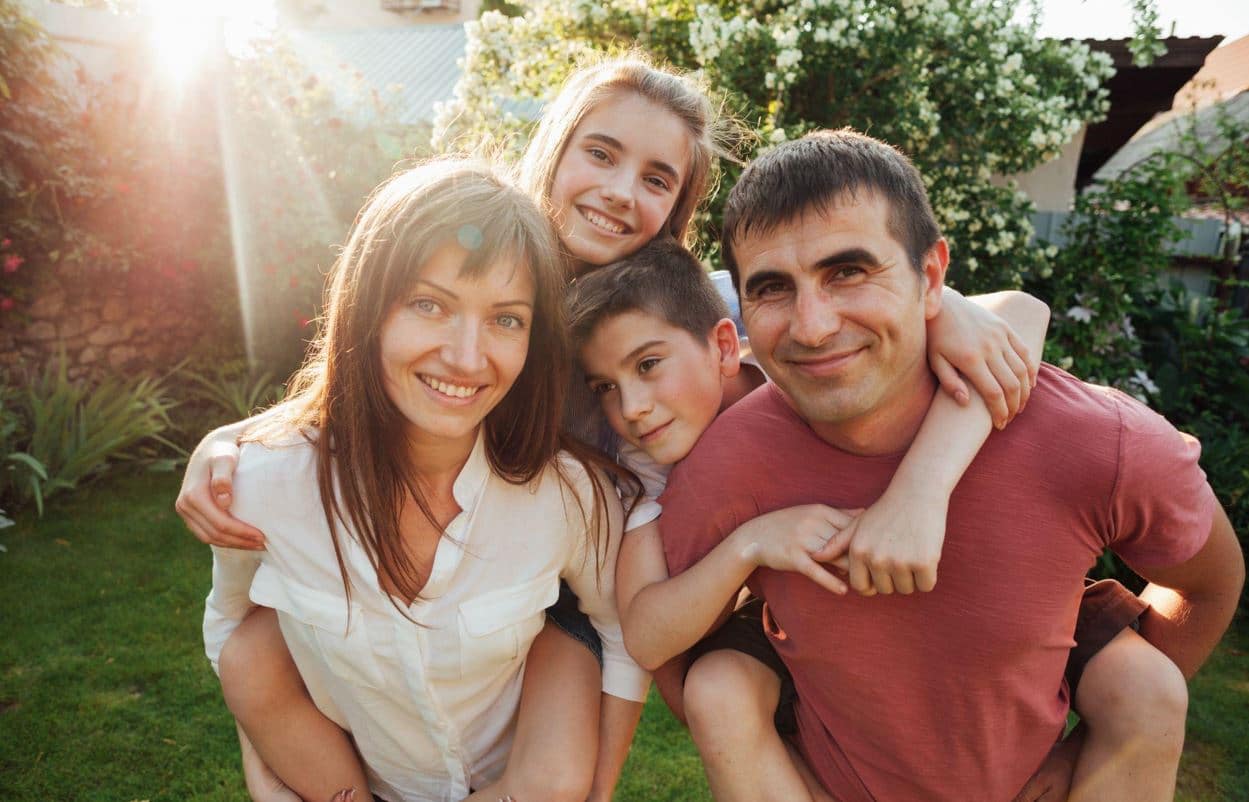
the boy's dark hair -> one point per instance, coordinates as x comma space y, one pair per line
816, 172
661, 279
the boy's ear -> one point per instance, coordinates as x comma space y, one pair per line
723, 339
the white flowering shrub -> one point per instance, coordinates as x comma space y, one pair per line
964, 91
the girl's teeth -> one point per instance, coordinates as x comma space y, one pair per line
603, 222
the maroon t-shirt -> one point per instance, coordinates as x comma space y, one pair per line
957, 693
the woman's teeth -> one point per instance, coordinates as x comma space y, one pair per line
602, 222
454, 390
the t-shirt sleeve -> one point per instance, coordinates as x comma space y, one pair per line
701, 505
1162, 507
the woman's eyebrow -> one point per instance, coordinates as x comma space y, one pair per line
657, 164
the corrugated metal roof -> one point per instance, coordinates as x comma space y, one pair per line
1167, 137
412, 68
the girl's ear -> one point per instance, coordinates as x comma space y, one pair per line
723, 339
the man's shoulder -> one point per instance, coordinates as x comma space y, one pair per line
1073, 405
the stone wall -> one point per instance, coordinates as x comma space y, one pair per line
102, 332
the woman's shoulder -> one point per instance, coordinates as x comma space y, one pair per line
277, 460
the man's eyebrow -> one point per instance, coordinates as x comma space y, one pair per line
661, 166
858, 256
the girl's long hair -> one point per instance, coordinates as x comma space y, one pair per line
364, 469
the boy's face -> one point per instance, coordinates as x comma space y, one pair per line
659, 386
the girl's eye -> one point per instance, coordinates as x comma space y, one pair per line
598, 154
510, 321
657, 182
602, 388
647, 364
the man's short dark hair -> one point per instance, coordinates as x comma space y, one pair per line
662, 279
814, 174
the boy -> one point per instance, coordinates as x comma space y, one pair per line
657, 349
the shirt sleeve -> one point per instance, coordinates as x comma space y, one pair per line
594, 583
228, 602
1162, 507
701, 506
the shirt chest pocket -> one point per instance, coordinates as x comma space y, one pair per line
498, 626
334, 632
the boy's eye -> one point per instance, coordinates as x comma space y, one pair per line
602, 388
646, 364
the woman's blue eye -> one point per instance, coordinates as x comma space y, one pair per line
427, 305
511, 321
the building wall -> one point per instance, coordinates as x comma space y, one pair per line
346, 15
1052, 186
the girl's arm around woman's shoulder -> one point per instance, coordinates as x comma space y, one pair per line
596, 519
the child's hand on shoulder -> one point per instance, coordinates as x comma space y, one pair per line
893, 546
790, 539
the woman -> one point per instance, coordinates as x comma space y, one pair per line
426, 422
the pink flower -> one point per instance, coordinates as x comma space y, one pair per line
6, 304
12, 262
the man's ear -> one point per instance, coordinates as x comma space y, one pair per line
932, 272
723, 340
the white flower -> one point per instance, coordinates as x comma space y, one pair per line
1141, 379
1081, 314
777, 136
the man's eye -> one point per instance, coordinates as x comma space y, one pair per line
769, 290
847, 272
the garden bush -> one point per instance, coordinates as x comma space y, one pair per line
59, 433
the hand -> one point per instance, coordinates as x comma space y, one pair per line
787, 539
207, 493
967, 341
895, 545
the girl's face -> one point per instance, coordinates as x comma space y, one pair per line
619, 178
452, 349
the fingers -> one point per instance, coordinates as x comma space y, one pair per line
1024, 353
1011, 383
951, 382
860, 576
822, 576
211, 525
882, 580
834, 548
926, 579
221, 482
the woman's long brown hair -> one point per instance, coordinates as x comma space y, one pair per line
338, 400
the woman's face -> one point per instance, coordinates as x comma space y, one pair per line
452, 349
619, 178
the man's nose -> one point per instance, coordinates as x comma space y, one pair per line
815, 318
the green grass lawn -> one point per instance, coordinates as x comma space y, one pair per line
105, 693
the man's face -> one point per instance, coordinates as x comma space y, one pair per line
836, 313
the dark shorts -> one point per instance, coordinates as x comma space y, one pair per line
1107, 609
567, 616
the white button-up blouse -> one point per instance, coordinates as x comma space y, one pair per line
431, 704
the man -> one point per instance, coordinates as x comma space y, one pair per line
957, 693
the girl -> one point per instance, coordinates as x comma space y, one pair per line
624, 154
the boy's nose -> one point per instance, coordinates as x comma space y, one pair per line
634, 404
